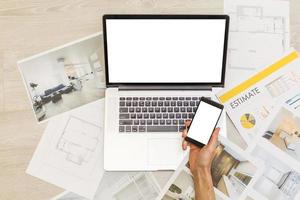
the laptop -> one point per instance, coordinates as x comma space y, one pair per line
157, 69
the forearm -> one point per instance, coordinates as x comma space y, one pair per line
203, 184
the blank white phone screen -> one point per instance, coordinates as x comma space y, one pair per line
204, 122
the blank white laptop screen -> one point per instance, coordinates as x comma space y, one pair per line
165, 50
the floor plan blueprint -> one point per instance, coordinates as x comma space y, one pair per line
79, 140
259, 32
68, 153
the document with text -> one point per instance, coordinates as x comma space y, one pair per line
250, 103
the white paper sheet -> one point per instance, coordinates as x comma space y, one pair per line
69, 153
259, 32
250, 103
126, 186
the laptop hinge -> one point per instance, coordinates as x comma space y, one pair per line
153, 87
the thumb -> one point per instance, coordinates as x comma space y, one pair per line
213, 142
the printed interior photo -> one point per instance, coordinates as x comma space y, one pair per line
65, 77
279, 181
283, 131
183, 187
232, 172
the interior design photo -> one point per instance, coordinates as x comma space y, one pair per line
64, 78
284, 132
279, 181
183, 187
231, 171
231, 174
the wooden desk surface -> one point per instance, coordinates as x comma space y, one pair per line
28, 27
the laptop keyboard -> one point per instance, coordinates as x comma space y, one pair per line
155, 114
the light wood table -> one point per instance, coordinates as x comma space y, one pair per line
28, 27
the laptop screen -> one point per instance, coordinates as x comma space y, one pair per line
165, 50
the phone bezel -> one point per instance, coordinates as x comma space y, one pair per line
212, 103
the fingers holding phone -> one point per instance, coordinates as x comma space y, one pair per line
201, 135
204, 122
212, 144
201, 158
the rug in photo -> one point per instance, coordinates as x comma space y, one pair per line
65, 77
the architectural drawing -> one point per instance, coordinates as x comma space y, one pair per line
68, 153
259, 32
79, 140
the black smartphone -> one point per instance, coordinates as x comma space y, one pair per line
204, 122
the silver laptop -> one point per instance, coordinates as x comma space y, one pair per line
157, 68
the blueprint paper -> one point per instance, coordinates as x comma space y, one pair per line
259, 32
69, 153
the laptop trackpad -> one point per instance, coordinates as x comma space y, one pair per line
164, 152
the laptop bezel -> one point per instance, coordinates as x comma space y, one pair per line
165, 85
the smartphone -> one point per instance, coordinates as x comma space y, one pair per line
204, 122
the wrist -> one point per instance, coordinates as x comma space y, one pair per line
202, 171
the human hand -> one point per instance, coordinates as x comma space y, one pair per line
200, 159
